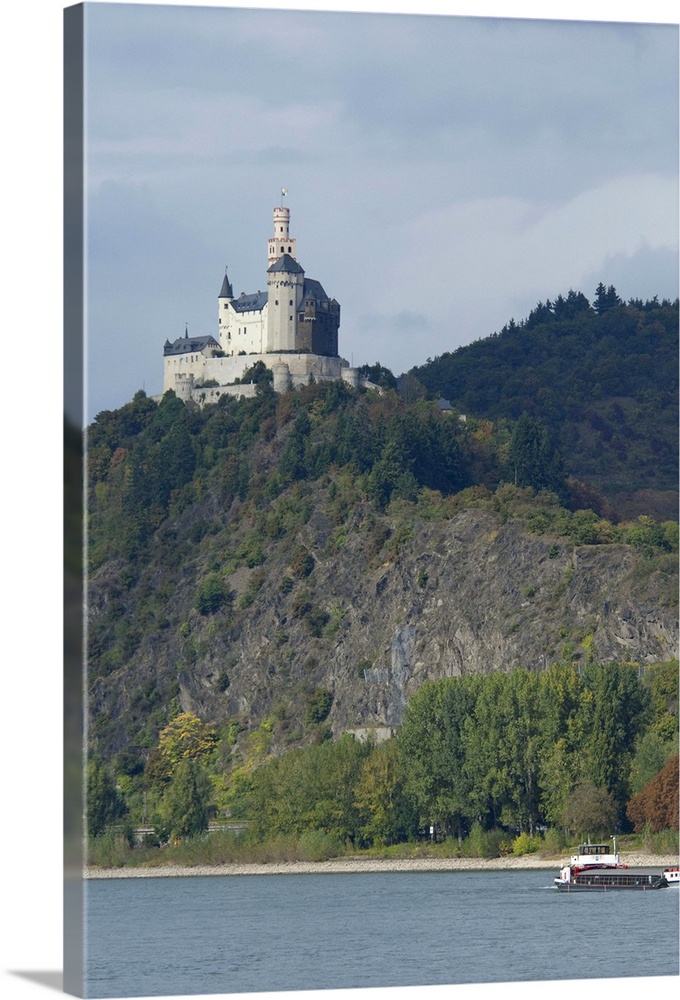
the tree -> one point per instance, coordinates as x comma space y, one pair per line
211, 594
186, 737
559, 693
103, 803
258, 373
590, 811
605, 299
378, 375
503, 751
535, 459
319, 705
186, 801
433, 751
386, 815
657, 803
651, 754
613, 712
308, 789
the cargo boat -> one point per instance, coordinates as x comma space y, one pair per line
597, 868
602, 880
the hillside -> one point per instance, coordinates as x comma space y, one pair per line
603, 378
309, 560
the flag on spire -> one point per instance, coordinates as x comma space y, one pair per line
284, 192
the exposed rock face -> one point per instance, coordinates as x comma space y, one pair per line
466, 595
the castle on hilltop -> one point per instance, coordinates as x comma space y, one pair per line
292, 328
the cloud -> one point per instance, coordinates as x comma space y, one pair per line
500, 243
444, 173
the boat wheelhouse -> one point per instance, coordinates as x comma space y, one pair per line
596, 856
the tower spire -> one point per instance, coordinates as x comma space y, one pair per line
226, 292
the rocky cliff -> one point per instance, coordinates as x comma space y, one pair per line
366, 608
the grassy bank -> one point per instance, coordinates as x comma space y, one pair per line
112, 850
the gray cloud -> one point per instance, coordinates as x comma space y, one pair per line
452, 170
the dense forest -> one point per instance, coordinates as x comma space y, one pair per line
491, 761
603, 380
199, 522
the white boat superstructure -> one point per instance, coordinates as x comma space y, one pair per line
596, 856
672, 875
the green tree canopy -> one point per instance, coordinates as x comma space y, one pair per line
103, 803
187, 799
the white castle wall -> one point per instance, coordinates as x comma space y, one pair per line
182, 364
244, 331
206, 396
300, 366
290, 371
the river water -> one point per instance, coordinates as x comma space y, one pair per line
238, 934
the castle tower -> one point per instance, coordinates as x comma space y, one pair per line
280, 242
285, 288
223, 312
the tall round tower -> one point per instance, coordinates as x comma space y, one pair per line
280, 242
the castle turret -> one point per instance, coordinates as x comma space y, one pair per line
280, 242
226, 291
281, 373
224, 300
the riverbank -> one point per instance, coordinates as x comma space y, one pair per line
364, 865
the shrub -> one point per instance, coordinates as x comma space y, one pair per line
482, 843
319, 705
316, 621
524, 844
302, 563
317, 845
211, 594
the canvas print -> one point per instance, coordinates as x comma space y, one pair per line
371, 454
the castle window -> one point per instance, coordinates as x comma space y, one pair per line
290, 249
282, 250
276, 302
290, 302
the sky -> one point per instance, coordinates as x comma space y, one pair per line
619, 139
444, 173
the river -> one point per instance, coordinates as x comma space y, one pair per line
202, 935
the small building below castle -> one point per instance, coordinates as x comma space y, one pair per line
292, 328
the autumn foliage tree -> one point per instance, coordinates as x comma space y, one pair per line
656, 805
186, 737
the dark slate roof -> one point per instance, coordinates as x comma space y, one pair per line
226, 292
314, 290
254, 302
286, 264
189, 345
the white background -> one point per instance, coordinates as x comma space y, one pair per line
31, 656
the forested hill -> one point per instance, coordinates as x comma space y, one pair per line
603, 379
311, 559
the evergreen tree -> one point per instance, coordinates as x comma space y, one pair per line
186, 801
103, 803
535, 459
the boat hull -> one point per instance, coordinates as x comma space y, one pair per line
612, 882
